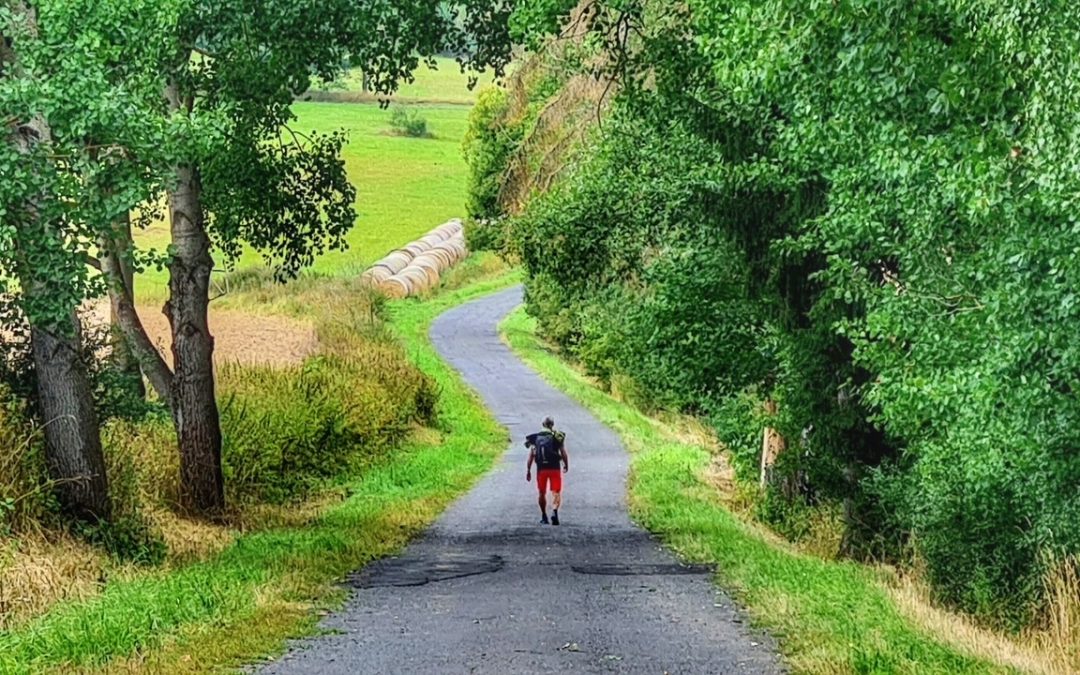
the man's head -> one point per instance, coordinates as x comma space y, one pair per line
549, 423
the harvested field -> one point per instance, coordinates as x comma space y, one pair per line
238, 336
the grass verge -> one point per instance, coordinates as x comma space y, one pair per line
829, 617
243, 602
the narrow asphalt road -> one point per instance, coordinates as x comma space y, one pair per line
489, 590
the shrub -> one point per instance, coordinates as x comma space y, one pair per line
126, 538
487, 146
287, 430
408, 122
883, 251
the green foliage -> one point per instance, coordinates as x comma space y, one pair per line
533, 20
286, 430
487, 145
878, 203
408, 122
126, 538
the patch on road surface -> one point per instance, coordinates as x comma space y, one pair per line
641, 570
420, 570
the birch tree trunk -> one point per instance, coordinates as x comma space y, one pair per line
132, 337
116, 253
195, 411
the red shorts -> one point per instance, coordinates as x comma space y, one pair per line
544, 477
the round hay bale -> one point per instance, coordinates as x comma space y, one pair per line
415, 248
458, 247
376, 275
431, 270
445, 258
417, 279
441, 262
432, 239
395, 262
450, 251
431, 266
395, 287
448, 256
446, 231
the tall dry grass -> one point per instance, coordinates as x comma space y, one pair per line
25, 491
1058, 633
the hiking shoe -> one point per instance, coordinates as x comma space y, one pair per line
554, 520
543, 519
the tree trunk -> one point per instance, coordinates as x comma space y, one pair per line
72, 439
195, 412
116, 266
116, 253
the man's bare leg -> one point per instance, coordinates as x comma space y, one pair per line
556, 502
543, 505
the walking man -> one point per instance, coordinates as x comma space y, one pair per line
547, 448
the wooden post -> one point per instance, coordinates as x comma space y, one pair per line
772, 444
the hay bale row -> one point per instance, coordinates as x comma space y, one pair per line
417, 266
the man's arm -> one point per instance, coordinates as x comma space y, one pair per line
529, 462
565, 458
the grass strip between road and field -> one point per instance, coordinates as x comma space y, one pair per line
828, 616
243, 603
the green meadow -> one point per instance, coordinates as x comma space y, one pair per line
405, 186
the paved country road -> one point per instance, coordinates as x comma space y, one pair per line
488, 589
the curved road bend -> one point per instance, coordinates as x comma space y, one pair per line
489, 590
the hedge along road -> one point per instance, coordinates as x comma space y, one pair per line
488, 589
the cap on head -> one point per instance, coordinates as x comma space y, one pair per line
549, 423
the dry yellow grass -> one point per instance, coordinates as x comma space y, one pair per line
36, 573
186, 539
1026, 653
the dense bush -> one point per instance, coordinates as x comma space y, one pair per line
866, 216
286, 429
408, 122
488, 142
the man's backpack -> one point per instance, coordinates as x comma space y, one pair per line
546, 445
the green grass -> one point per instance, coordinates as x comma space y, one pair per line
242, 603
829, 616
405, 186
